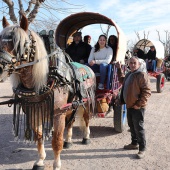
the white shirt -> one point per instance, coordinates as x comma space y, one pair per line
104, 55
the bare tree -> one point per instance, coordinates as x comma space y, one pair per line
107, 30
45, 24
30, 14
166, 42
37, 11
145, 35
137, 34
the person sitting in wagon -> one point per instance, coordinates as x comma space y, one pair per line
151, 59
87, 39
78, 50
113, 42
99, 59
139, 53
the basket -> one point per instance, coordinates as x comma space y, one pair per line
102, 106
159, 63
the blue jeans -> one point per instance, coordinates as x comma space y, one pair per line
102, 69
151, 66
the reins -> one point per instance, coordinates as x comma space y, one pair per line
36, 61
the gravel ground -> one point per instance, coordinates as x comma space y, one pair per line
105, 151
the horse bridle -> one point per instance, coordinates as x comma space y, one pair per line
59, 70
28, 53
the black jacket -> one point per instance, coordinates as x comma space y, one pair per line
151, 55
80, 51
140, 54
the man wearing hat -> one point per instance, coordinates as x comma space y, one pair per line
78, 50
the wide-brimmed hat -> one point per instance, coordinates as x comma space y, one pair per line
77, 34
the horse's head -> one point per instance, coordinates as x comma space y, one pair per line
14, 42
20, 46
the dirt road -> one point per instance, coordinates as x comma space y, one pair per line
105, 151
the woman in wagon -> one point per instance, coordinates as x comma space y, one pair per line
87, 39
112, 42
99, 59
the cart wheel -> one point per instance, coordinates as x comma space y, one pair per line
120, 113
160, 83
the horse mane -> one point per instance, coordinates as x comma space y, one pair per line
40, 69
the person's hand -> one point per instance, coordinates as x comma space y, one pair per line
118, 64
82, 61
149, 60
92, 62
136, 107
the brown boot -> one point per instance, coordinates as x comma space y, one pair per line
131, 147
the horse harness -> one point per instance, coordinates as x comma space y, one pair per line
30, 100
81, 82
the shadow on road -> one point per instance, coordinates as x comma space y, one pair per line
12, 152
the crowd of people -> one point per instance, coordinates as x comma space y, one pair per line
98, 57
103, 53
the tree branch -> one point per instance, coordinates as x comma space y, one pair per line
11, 11
137, 34
34, 12
159, 37
21, 11
29, 8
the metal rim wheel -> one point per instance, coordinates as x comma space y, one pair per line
120, 114
160, 83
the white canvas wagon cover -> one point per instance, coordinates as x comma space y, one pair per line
144, 43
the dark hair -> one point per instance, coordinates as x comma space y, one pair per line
86, 37
97, 46
115, 38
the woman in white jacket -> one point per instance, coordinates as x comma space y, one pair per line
100, 56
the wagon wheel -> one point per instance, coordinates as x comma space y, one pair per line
167, 75
120, 114
160, 83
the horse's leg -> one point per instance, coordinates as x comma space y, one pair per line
86, 136
39, 164
68, 140
57, 141
84, 115
37, 126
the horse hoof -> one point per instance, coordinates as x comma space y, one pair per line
85, 141
36, 167
67, 145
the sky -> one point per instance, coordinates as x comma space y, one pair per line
135, 15
131, 16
